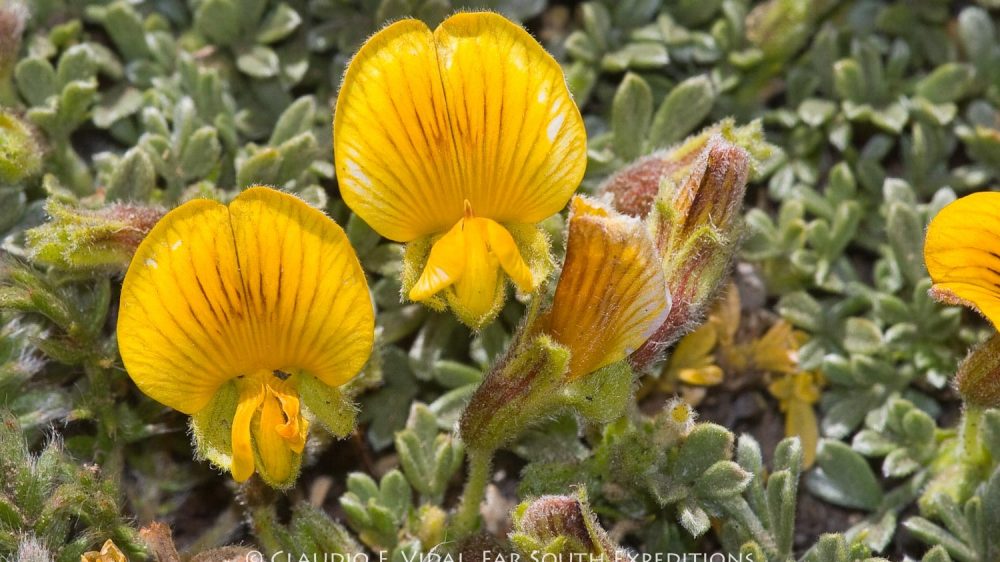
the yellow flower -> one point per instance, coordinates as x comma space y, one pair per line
693, 360
232, 313
611, 294
796, 394
109, 553
458, 141
962, 253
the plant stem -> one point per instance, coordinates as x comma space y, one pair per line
466, 519
972, 450
258, 504
740, 510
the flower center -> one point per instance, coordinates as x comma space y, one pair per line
269, 416
468, 258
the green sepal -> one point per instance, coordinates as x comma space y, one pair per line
328, 404
518, 392
602, 396
212, 427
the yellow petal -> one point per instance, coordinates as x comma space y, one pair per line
307, 297
695, 349
781, 388
251, 396
611, 293
800, 420
468, 258
214, 293
445, 265
709, 375
275, 452
775, 351
477, 290
476, 111
805, 389
179, 323
962, 253
502, 245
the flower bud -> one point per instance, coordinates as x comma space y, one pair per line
517, 391
562, 525
20, 154
82, 239
695, 220
978, 377
13, 16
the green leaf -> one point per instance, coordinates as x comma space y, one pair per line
200, 154
703, 447
684, 108
219, 21
133, 179
258, 62
297, 118
630, 114
78, 63
124, 26
694, 519
862, 336
931, 533
948, 83
279, 24
36, 80
802, 310
844, 477
904, 228
723, 479
260, 169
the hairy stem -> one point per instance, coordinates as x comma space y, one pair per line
972, 449
466, 519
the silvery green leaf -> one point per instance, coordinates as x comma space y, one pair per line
200, 154
597, 23
219, 21
947, 83
815, 112
133, 179
694, 519
978, 34
722, 479
258, 61
684, 108
862, 336
297, 118
124, 26
637, 56
844, 477
260, 169
118, 104
36, 80
78, 63
630, 115
582, 47
279, 24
